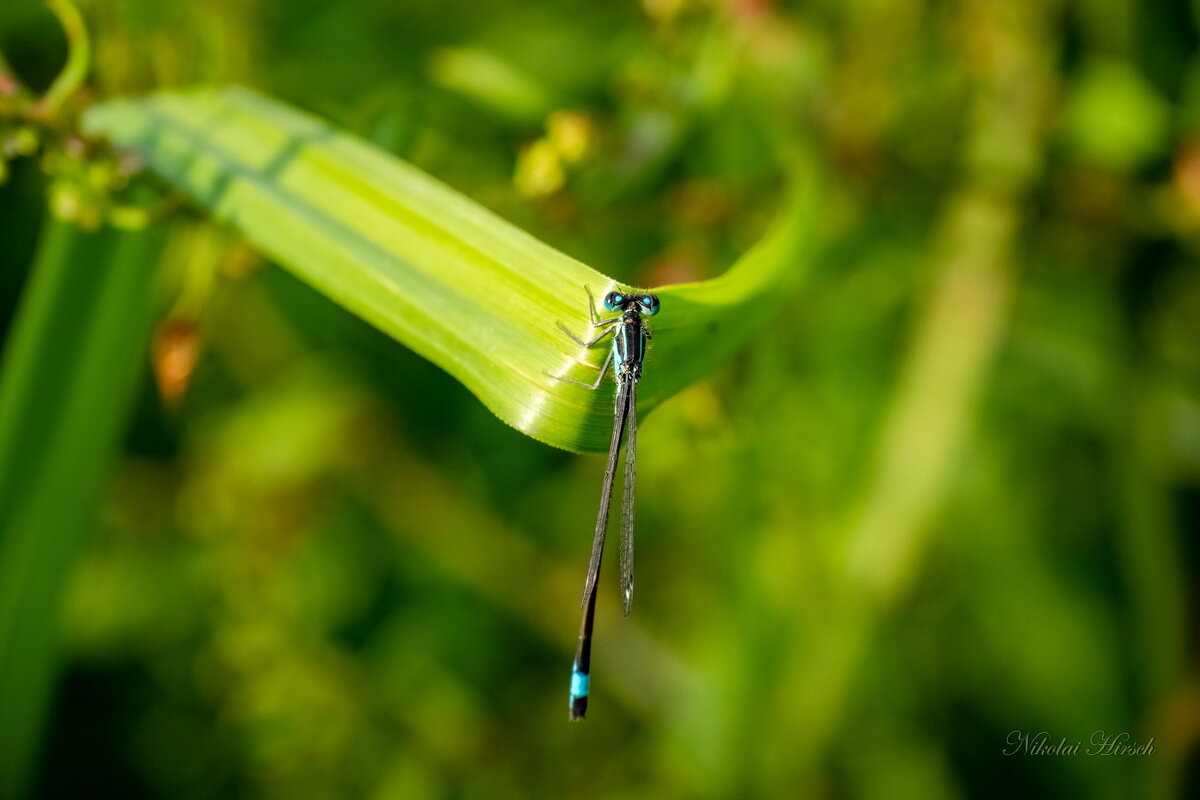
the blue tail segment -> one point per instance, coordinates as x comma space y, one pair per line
579, 692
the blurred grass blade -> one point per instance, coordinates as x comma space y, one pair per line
69, 373
492, 82
435, 270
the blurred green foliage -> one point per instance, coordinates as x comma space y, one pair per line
949, 494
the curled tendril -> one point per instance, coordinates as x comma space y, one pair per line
15, 97
85, 176
79, 55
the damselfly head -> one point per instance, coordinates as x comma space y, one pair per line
644, 303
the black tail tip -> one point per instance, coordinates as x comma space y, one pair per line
578, 708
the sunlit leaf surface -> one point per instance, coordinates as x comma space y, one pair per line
432, 268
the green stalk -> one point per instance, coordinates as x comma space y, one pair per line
75, 357
79, 54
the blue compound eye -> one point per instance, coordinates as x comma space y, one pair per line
649, 303
614, 300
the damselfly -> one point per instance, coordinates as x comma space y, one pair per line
625, 358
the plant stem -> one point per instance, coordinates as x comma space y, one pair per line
75, 356
79, 55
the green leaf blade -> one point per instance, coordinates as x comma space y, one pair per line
432, 268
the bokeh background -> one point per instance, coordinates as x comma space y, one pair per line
950, 493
